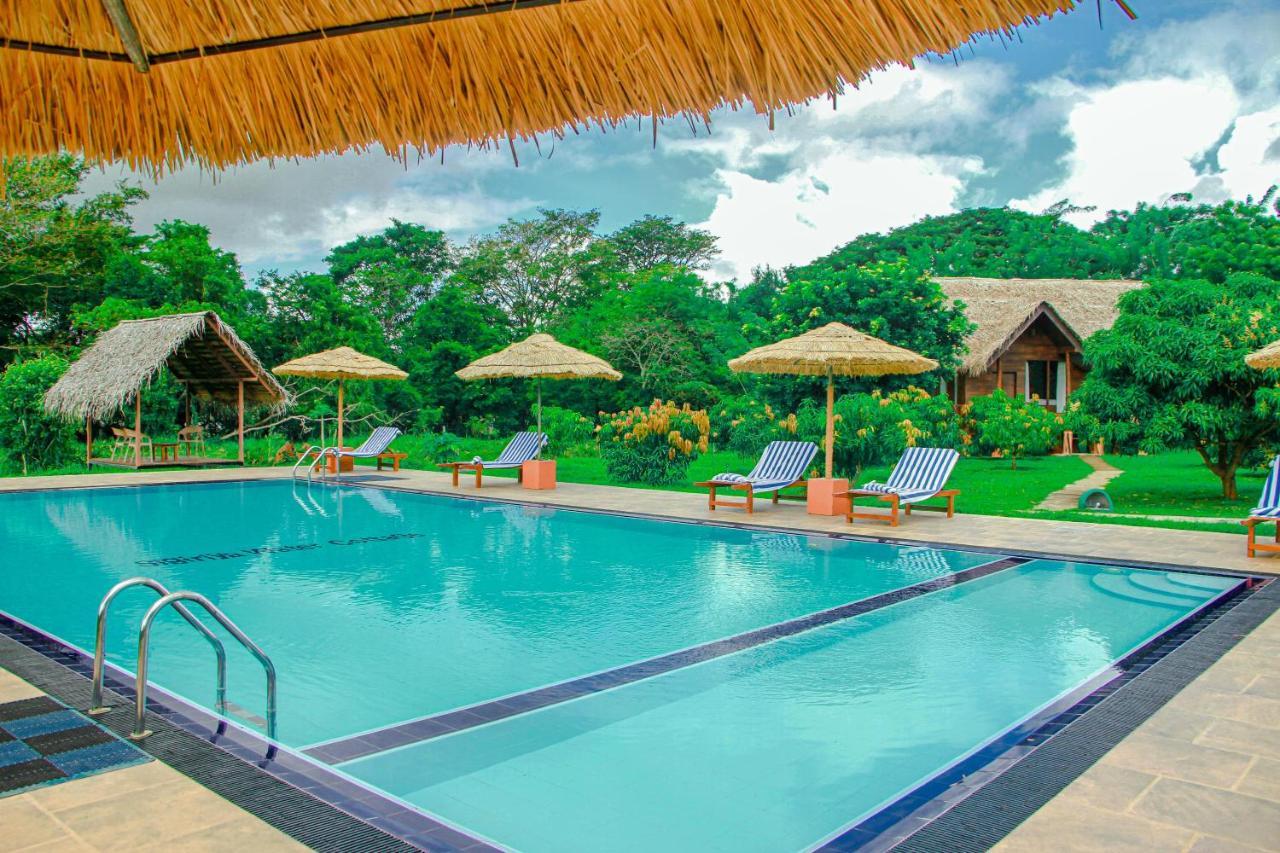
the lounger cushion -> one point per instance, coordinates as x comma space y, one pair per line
920, 474
729, 478
781, 464
1269, 503
523, 447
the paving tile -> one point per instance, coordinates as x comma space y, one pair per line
1242, 737
1210, 844
127, 821
234, 836
13, 688
1267, 686
23, 823
1161, 756
54, 798
1262, 780
1224, 814
1244, 707
1177, 722
1068, 825
1110, 787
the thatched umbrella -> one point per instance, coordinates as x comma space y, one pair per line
1267, 357
539, 357
341, 364
161, 82
835, 349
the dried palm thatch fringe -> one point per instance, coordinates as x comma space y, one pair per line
832, 349
1267, 357
501, 74
539, 356
1001, 308
340, 363
199, 349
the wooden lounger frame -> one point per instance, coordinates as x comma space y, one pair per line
478, 467
392, 458
1252, 547
895, 504
750, 503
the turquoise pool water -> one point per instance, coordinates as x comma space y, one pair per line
778, 746
472, 601
379, 607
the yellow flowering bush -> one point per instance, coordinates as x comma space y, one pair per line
653, 445
1014, 427
745, 425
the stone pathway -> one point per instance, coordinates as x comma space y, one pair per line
1069, 497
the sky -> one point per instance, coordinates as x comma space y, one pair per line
1184, 99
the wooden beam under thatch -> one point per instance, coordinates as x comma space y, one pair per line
199, 350
234, 81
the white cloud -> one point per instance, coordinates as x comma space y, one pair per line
293, 213
824, 202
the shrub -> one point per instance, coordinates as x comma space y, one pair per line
568, 433
653, 445
744, 426
429, 419
441, 447
874, 428
1014, 427
479, 426
699, 395
32, 439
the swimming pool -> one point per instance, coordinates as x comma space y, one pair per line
787, 685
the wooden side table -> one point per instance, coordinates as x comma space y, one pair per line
165, 450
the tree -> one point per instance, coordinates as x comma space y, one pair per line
54, 246
1013, 426
1185, 240
656, 241
533, 269
1171, 371
891, 301
989, 242
30, 437
392, 273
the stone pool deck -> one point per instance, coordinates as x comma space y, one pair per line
1202, 774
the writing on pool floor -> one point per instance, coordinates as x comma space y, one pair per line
271, 549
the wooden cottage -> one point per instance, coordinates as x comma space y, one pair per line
1030, 332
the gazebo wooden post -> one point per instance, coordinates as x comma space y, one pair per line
137, 429
88, 441
240, 420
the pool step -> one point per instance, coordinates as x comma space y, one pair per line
1124, 585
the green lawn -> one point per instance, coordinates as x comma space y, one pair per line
1171, 484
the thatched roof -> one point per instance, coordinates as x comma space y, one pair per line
832, 349
539, 355
340, 363
199, 350
1267, 357
1004, 308
160, 82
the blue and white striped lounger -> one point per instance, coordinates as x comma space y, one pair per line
523, 447
1268, 509
782, 464
920, 474
374, 446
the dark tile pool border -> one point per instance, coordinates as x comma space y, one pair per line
302, 798
448, 722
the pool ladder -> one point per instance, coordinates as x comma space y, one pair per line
316, 463
166, 599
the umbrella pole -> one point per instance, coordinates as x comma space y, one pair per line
831, 420
339, 413
538, 384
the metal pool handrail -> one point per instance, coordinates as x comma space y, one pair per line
144, 639
100, 642
319, 458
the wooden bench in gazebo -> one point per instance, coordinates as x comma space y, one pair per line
199, 350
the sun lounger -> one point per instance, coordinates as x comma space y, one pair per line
523, 447
1267, 510
373, 447
783, 464
920, 474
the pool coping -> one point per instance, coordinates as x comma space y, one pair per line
376, 810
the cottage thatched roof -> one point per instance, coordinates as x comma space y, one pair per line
1003, 308
161, 82
199, 350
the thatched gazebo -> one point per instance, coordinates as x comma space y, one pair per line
158, 83
201, 352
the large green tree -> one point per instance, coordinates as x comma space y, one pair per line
660, 241
1171, 372
534, 270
